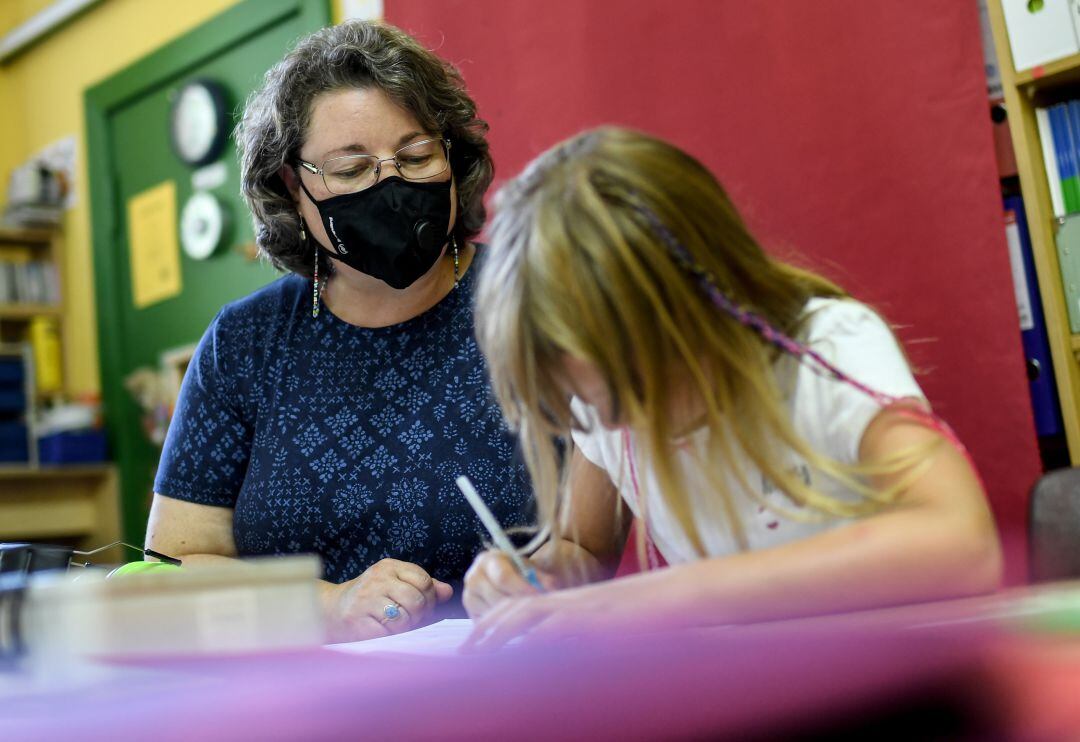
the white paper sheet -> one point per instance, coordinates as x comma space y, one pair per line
438, 639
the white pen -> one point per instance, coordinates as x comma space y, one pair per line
498, 535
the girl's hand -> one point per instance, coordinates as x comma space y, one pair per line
604, 609
536, 616
493, 578
356, 609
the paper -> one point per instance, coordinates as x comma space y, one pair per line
440, 639
152, 240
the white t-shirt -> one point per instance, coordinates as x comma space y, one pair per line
830, 415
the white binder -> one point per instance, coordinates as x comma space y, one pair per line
1039, 32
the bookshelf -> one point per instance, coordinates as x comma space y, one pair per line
1023, 92
38, 292
26, 294
74, 505
70, 504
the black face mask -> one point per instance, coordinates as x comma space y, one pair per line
394, 231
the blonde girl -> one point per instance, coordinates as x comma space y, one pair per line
762, 426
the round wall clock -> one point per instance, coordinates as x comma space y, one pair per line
202, 225
199, 122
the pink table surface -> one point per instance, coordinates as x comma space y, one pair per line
756, 682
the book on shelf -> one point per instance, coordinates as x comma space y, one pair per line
1046, 141
1064, 145
1059, 138
28, 282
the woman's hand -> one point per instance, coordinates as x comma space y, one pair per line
493, 578
356, 609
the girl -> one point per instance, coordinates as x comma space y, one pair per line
762, 426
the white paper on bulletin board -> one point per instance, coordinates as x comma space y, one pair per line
155, 249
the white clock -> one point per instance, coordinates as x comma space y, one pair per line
202, 225
198, 122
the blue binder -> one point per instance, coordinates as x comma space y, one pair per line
1044, 397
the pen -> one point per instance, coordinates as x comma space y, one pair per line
498, 535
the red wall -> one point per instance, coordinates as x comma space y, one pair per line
854, 133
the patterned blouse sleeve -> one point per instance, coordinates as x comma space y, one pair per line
206, 451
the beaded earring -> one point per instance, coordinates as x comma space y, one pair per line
457, 272
315, 289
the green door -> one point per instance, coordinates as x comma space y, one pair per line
130, 152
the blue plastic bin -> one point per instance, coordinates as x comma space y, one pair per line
12, 373
13, 443
72, 447
12, 400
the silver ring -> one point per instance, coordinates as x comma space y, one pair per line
391, 612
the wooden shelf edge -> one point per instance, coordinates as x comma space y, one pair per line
1050, 73
29, 311
25, 236
57, 471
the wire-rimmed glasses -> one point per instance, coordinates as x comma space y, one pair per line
423, 160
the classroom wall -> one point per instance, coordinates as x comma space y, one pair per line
41, 95
10, 134
855, 133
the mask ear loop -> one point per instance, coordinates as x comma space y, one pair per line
776, 337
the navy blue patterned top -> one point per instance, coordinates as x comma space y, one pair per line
344, 441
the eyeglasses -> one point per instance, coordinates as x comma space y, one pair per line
421, 160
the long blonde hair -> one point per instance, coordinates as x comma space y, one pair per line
573, 268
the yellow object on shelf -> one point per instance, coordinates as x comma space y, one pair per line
48, 366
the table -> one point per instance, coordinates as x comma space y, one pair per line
956, 670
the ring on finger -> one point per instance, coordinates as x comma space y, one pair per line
391, 612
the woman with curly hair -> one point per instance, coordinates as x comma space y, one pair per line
331, 411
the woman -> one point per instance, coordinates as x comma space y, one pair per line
331, 411
762, 425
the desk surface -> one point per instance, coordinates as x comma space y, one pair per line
957, 670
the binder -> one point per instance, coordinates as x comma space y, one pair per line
1043, 390
1072, 115
1053, 182
1039, 32
1066, 157
1067, 241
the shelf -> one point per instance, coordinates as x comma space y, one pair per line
23, 236
70, 471
1024, 92
28, 311
1066, 69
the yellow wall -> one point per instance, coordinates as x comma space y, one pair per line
10, 133
41, 96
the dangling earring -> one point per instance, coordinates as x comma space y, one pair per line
315, 288
457, 274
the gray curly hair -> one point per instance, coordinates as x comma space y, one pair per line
355, 54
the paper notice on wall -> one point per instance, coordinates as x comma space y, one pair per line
155, 249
